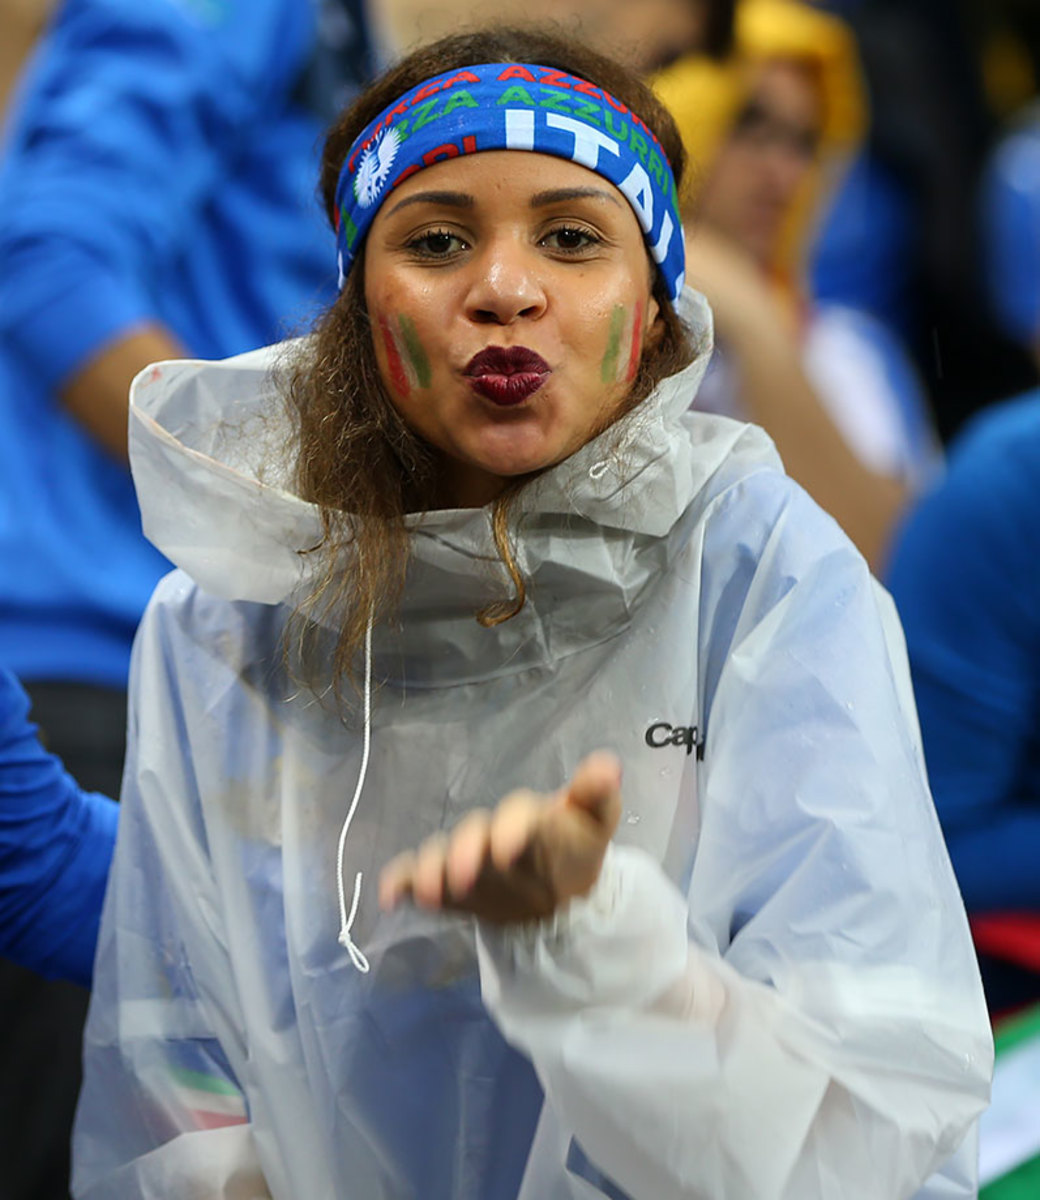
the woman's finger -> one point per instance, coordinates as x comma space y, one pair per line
596, 788
512, 825
428, 875
395, 879
467, 852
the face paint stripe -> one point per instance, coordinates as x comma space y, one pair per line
398, 375
416, 354
608, 368
637, 344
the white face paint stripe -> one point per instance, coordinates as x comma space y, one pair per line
519, 129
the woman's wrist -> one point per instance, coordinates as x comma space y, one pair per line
624, 944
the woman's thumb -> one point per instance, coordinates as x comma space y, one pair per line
596, 788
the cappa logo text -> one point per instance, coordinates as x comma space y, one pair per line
662, 734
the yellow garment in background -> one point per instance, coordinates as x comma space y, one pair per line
706, 96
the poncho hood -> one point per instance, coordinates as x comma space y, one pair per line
208, 453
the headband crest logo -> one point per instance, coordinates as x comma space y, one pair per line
374, 169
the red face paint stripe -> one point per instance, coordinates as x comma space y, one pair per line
398, 375
637, 343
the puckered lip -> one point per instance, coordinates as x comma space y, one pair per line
506, 360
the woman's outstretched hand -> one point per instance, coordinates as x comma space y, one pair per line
522, 861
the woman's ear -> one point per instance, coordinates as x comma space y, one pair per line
654, 324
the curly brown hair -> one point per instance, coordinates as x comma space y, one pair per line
354, 456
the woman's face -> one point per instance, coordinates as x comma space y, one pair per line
510, 300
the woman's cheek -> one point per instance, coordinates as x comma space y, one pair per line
407, 362
624, 343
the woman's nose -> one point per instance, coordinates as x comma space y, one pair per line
506, 285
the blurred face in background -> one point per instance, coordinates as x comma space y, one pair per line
750, 187
645, 35
641, 34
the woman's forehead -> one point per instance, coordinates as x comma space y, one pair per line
519, 175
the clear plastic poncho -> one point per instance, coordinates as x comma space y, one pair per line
770, 992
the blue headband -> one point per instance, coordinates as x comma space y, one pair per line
512, 106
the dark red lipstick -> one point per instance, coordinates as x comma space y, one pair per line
506, 375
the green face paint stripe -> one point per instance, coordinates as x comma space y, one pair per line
416, 354
608, 368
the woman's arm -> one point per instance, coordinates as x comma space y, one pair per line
806, 1020
55, 848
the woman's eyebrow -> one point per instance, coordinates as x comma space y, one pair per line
560, 195
451, 199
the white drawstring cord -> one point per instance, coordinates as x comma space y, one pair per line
346, 922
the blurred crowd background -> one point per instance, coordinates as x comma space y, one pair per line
864, 217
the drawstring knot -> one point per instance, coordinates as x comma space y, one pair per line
346, 922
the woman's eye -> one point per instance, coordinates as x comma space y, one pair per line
437, 243
570, 239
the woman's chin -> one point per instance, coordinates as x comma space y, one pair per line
510, 461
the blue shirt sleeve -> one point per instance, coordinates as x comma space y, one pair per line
130, 116
965, 574
56, 845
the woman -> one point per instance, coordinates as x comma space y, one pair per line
501, 546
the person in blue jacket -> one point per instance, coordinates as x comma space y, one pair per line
965, 574
156, 191
56, 845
